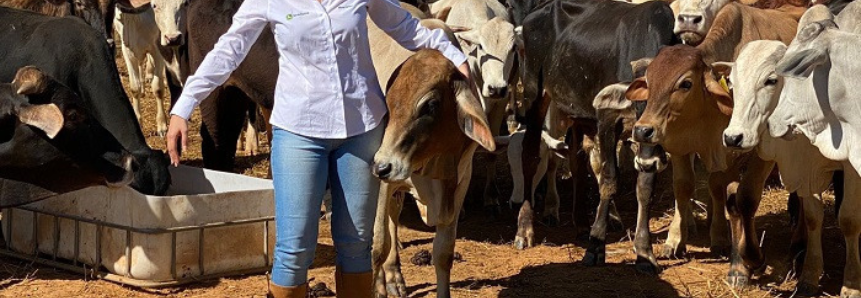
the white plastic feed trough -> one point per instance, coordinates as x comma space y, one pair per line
210, 224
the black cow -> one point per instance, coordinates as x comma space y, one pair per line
48, 140
77, 56
225, 110
573, 49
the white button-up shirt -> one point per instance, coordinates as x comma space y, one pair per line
327, 86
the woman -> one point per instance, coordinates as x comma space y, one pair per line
326, 120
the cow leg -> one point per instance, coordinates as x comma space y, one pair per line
603, 162
551, 199
718, 232
159, 81
495, 118
798, 243
746, 254
683, 190
531, 158
252, 143
223, 116
646, 261
813, 213
386, 263
443, 256
850, 224
136, 84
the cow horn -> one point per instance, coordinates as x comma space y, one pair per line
30, 80
128, 173
47, 117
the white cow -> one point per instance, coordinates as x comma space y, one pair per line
487, 36
828, 113
137, 34
757, 90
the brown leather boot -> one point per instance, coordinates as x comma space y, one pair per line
354, 285
276, 291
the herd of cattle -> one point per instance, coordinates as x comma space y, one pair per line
742, 86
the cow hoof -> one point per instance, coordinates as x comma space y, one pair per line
593, 259
850, 293
720, 251
397, 287
647, 266
551, 221
804, 289
522, 243
671, 252
737, 279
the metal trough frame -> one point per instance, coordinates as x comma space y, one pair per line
93, 270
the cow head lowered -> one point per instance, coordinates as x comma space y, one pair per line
695, 18
683, 95
756, 92
429, 102
48, 140
491, 52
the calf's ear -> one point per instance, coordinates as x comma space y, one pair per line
723, 98
30, 80
470, 115
47, 118
722, 70
638, 90
471, 36
442, 15
612, 97
638, 67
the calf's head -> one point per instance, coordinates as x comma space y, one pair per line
78, 150
682, 92
492, 45
695, 18
650, 158
170, 19
756, 92
432, 112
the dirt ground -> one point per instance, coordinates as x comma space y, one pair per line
491, 267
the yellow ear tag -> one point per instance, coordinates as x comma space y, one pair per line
723, 84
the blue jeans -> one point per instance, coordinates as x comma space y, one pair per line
300, 168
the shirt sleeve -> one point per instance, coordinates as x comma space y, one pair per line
409, 33
225, 57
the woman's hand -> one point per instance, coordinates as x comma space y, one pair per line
178, 129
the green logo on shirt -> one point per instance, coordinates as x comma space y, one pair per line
289, 16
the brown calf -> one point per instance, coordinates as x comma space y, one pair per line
687, 112
435, 125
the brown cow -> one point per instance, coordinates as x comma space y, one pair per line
734, 26
429, 103
687, 112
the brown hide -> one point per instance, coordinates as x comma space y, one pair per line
736, 25
685, 120
427, 72
56, 8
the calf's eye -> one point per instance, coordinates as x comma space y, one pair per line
686, 85
771, 82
